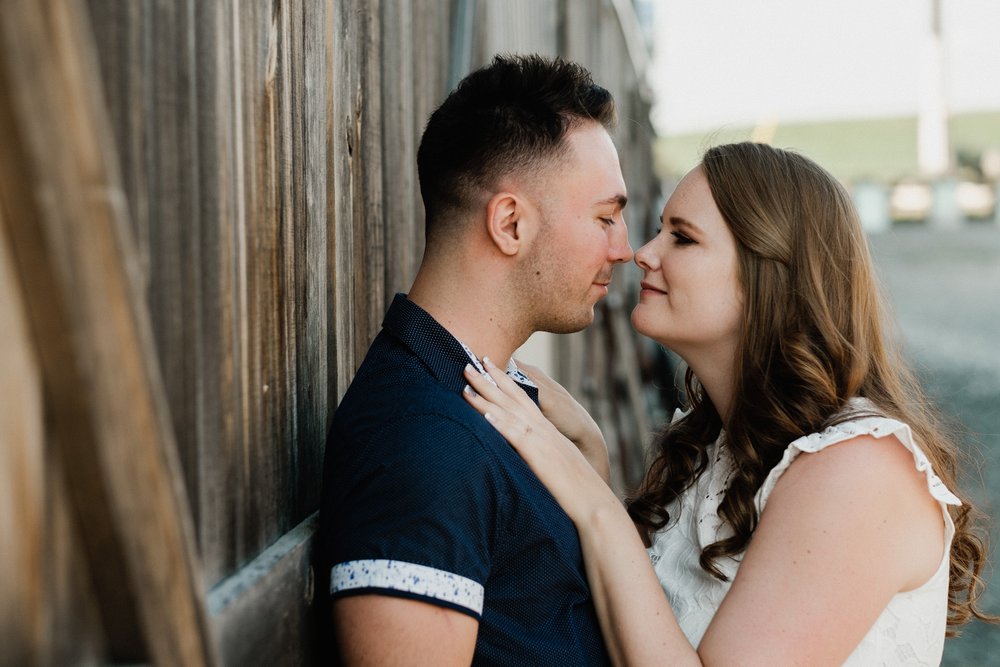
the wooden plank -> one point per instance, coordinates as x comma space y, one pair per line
150, 80
220, 388
343, 139
48, 615
431, 49
263, 41
282, 95
313, 407
266, 613
431, 45
75, 635
399, 148
78, 272
22, 481
289, 168
369, 245
579, 27
520, 26
632, 53
123, 34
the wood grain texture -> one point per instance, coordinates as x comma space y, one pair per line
369, 245
272, 596
221, 388
78, 272
342, 144
74, 635
402, 220
22, 489
260, 158
314, 404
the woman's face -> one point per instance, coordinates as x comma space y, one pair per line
691, 300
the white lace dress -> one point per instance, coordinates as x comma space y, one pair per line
910, 631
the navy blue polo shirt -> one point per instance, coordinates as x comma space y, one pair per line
424, 499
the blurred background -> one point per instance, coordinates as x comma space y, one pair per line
900, 99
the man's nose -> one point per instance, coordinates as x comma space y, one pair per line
620, 250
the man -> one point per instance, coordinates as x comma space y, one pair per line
444, 547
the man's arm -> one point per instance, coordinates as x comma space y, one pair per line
384, 630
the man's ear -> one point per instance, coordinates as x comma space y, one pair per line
505, 221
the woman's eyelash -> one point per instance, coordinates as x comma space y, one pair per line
681, 238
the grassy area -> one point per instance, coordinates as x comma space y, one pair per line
883, 148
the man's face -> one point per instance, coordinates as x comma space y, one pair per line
582, 235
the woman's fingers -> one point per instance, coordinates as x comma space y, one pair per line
506, 421
497, 386
482, 405
505, 383
502, 401
486, 386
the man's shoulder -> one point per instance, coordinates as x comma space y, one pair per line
398, 411
439, 429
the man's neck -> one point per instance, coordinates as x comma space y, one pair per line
474, 316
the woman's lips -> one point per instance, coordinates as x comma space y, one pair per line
648, 289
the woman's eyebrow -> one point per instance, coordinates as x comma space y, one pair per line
677, 221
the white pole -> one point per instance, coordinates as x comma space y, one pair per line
933, 154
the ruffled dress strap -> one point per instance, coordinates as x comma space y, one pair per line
878, 427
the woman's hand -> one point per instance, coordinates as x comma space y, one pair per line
555, 459
638, 625
571, 419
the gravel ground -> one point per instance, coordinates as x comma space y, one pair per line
944, 286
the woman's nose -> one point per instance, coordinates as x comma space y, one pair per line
646, 259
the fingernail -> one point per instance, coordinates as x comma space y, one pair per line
490, 418
486, 360
470, 391
468, 367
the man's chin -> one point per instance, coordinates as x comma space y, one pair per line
570, 325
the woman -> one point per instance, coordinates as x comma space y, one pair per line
803, 511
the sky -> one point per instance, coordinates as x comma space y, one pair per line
744, 62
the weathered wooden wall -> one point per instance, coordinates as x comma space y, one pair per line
262, 154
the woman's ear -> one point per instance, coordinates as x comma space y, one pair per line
504, 222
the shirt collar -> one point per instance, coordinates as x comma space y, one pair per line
443, 354
512, 371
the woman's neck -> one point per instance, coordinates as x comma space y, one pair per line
717, 381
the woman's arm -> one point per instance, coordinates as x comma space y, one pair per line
638, 625
844, 530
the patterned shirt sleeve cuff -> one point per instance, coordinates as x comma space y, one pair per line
411, 578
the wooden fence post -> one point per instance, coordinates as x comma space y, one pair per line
76, 266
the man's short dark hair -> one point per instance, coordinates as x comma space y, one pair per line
510, 115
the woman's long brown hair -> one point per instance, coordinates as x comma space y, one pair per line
815, 334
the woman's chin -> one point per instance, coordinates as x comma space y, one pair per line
641, 324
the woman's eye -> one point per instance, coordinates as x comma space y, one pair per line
681, 239
608, 221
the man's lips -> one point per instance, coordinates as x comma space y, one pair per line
603, 281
